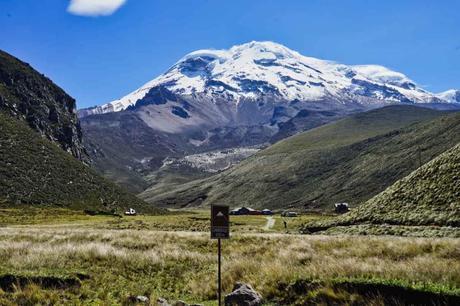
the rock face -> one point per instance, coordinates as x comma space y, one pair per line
29, 96
243, 295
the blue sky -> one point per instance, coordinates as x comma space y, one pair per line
98, 59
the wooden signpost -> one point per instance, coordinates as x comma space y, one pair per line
220, 229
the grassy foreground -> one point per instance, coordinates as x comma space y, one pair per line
104, 260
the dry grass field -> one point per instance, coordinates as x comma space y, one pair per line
78, 260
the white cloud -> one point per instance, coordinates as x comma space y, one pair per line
94, 7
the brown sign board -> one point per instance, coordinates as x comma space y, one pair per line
220, 222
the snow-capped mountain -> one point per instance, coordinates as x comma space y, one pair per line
250, 95
258, 71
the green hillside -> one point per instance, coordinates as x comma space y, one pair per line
349, 160
428, 196
34, 171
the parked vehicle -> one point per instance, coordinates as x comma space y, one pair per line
131, 212
341, 208
289, 214
267, 212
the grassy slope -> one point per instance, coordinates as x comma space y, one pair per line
168, 177
428, 196
37, 172
342, 161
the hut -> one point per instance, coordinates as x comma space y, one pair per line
245, 211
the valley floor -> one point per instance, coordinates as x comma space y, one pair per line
63, 257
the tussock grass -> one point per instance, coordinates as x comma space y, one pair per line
182, 265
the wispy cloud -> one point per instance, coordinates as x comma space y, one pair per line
94, 7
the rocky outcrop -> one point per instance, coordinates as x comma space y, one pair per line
243, 295
29, 96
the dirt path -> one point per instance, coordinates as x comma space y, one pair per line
270, 223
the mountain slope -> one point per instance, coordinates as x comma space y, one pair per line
124, 149
428, 196
30, 96
348, 160
35, 171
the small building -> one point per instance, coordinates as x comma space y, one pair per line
267, 212
131, 212
254, 212
341, 208
245, 211
238, 211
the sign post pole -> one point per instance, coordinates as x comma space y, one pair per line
220, 229
219, 280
